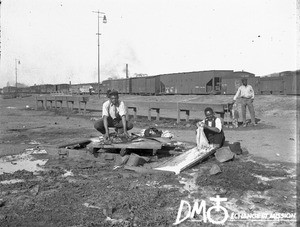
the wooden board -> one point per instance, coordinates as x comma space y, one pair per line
140, 143
185, 160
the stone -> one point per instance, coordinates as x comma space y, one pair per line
245, 151
215, 169
121, 160
236, 148
35, 190
2, 202
136, 160
109, 156
224, 154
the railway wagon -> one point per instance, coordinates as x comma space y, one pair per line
24, 90
138, 85
203, 82
62, 88
271, 85
292, 85
104, 87
35, 89
121, 85
149, 85
153, 86
231, 85
291, 82
9, 89
74, 88
47, 88
240, 74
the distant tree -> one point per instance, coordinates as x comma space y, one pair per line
7, 84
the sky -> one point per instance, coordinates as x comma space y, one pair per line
55, 41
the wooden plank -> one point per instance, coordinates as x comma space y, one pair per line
201, 106
140, 144
217, 107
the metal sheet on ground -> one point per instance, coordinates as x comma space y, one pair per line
186, 160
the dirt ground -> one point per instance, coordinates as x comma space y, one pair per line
88, 191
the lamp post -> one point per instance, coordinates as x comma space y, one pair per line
98, 34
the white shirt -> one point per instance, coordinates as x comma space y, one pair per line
108, 109
218, 123
245, 92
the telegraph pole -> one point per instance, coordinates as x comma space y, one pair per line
17, 61
98, 34
0, 33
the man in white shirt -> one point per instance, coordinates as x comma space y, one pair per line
113, 115
212, 127
246, 93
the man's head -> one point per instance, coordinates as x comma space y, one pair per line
244, 81
209, 113
114, 97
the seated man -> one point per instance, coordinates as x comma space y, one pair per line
212, 127
113, 115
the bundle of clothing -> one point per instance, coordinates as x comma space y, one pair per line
202, 142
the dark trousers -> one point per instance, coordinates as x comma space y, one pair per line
214, 137
116, 123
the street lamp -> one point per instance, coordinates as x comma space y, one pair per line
98, 34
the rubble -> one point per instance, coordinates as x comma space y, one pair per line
236, 148
224, 154
136, 160
215, 169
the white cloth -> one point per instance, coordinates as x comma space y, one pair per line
201, 139
245, 92
108, 109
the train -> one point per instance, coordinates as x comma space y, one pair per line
225, 82
217, 82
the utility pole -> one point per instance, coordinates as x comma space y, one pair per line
0, 33
17, 61
98, 34
127, 71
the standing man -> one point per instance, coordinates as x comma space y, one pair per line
212, 128
246, 93
113, 115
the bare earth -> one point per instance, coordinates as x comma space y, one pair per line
94, 194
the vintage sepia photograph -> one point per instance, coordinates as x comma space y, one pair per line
149, 113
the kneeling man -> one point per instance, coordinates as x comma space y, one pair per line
113, 115
212, 127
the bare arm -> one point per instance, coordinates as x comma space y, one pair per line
106, 127
214, 129
124, 124
237, 94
